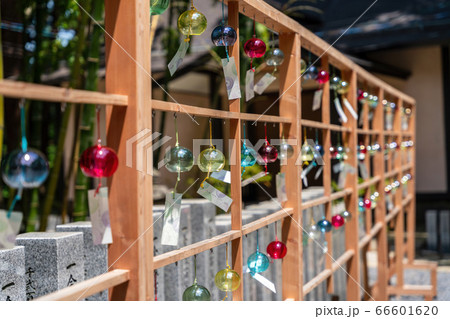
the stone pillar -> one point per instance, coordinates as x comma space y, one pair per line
12, 274
52, 261
95, 256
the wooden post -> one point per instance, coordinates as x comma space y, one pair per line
351, 227
290, 106
380, 210
326, 143
128, 73
411, 219
235, 133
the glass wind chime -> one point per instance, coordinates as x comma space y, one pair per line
276, 249
285, 150
98, 161
157, 7
192, 22
211, 159
267, 152
340, 89
224, 35
254, 47
196, 292
178, 159
24, 167
248, 155
227, 279
257, 262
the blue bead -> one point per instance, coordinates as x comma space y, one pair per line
223, 36
324, 225
24, 169
258, 262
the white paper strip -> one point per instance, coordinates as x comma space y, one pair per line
231, 78
172, 217
223, 175
215, 196
9, 228
262, 280
363, 170
319, 171
281, 187
340, 111
264, 83
249, 85
350, 108
317, 100
178, 57
99, 214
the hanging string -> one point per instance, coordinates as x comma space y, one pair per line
304, 134
254, 35
267, 143
228, 267
257, 241
24, 150
99, 142
176, 145
276, 231
317, 136
213, 147
195, 269
223, 24
244, 147
156, 285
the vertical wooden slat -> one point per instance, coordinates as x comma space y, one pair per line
326, 143
351, 227
411, 219
127, 21
400, 220
235, 156
290, 106
380, 210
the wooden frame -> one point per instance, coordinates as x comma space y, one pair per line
128, 82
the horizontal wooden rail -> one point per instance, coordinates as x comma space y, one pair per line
392, 214
324, 275
194, 249
407, 200
325, 199
219, 114
333, 127
369, 236
89, 287
39, 92
270, 219
367, 132
369, 182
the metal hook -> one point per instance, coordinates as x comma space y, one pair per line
153, 113
176, 264
175, 115
63, 106
211, 250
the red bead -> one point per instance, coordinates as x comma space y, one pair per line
323, 77
268, 153
255, 48
337, 221
98, 161
276, 250
360, 95
367, 203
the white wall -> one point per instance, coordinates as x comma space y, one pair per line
426, 86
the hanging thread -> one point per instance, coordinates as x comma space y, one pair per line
223, 24
176, 145
99, 142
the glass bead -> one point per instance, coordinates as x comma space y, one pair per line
192, 22
196, 293
334, 82
314, 232
99, 161
323, 77
367, 203
227, 280
303, 66
319, 151
362, 152
307, 152
311, 73
361, 207
223, 36
276, 250
268, 153
157, 7
258, 262
343, 87
373, 101
24, 169
211, 160
347, 215
248, 156
255, 48
179, 159
285, 150
274, 57
324, 225
337, 221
